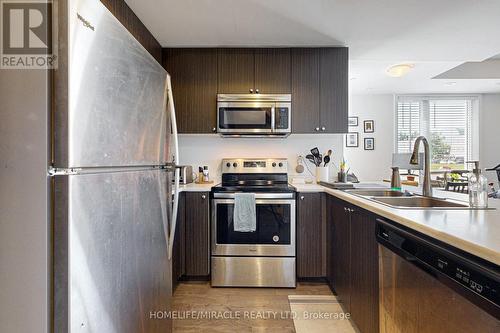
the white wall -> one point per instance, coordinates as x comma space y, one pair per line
489, 133
371, 165
199, 150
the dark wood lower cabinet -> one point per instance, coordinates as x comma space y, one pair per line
339, 250
309, 236
364, 271
178, 253
197, 245
191, 250
352, 262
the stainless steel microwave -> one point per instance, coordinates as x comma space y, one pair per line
254, 115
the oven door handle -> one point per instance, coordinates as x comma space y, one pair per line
257, 195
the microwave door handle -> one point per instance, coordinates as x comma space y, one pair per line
273, 118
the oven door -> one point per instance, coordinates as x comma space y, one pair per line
245, 117
274, 235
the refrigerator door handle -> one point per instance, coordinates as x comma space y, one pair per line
175, 161
175, 209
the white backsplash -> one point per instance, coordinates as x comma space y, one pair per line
198, 150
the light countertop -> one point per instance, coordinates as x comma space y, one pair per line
474, 231
193, 187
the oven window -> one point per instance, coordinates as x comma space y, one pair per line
273, 225
245, 117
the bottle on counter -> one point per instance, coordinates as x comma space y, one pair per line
200, 175
206, 177
478, 189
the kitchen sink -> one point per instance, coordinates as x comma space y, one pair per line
420, 202
379, 193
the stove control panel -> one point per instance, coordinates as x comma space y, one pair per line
257, 165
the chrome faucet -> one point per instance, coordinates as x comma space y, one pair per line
426, 187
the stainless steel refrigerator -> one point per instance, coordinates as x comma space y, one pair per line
114, 148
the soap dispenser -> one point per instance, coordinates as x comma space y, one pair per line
478, 188
395, 179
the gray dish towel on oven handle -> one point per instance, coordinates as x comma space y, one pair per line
245, 215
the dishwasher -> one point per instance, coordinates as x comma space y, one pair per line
429, 286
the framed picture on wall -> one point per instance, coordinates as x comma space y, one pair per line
352, 139
353, 121
369, 126
369, 143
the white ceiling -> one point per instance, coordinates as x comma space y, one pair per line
434, 35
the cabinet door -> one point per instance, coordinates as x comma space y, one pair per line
197, 246
309, 236
272, 71
333, 89
178, 254
341, 253
305, 90
364, 271
236, 71
194, 86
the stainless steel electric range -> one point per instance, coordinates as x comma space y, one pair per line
266, 256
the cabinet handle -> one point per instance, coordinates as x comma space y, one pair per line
203, 196
301, 197
316, 129
323, 128
256, 91
251, 91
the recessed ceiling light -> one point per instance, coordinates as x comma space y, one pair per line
452, 83
399, 70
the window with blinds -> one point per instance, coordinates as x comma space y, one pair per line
447, 123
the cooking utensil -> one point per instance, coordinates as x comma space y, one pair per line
317, 156
311, 159
326, 160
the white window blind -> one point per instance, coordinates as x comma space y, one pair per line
446, 122
408, 125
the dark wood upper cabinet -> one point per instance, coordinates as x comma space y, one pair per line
364, 271
197, 251
272, 71
317, 78
236, 71
305, 90
309, 236
194, 85
333, 90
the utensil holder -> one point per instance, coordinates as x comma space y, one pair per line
322, 174
342, 177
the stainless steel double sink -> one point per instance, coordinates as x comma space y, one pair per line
407, 200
